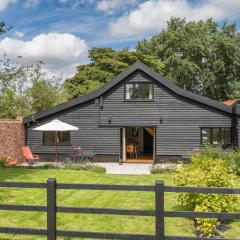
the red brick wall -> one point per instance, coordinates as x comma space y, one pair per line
12, 138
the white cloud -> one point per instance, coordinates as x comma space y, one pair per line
110, 6
152, 15
75, 4
63, 1
19, 34
5, 3
31, 3
26, 3
61, 53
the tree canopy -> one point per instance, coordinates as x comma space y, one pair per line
104, 64
3, 28
44, 91
25, 89
199, 56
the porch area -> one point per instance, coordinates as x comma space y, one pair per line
143, 158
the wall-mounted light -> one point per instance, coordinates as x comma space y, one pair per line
161, 120
109, 119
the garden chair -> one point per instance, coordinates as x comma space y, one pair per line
29, 157
88, 155
130, 150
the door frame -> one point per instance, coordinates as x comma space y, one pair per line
122, 144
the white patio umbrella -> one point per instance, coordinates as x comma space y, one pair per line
56, 126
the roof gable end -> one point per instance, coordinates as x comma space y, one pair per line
138, 65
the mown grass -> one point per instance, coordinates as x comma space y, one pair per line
101, 199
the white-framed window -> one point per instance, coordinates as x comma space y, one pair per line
138, 91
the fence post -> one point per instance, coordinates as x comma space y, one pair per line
159, 210
51, 209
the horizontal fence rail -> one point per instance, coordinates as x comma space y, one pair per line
159, 213
206, 190
106, 187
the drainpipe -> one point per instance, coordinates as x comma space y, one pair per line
234, 127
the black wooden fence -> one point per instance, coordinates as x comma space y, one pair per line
159, 213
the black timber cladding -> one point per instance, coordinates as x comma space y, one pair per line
138, 65
177, 133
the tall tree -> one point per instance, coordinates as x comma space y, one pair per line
13, 77
234, 90
199, 56
44, 92
3, 27
25, 89
104, 64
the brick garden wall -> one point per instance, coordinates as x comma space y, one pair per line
12, 138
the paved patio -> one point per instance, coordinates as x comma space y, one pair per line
126, 168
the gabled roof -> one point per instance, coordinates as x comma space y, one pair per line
136, 66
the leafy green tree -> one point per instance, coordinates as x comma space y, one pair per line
25, 89
3, 27
44, 92
13, 78
104, 64
200, 56
234, 90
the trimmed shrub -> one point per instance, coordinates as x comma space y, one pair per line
86, 166
98, 169
158, 170
206, 227
208, 169
83, 166
232, 158
235, 162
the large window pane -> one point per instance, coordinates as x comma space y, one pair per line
216, 140
205, 136
216, 136
49, 138
128, 91
62, 138
227, 136
139, 91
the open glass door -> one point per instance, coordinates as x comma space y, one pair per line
137, 145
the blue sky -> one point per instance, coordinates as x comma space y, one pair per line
59, 32
81, 18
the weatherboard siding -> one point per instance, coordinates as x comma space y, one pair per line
239, 132
89, 136
182, 118
175, 136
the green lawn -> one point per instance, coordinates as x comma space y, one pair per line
102, 199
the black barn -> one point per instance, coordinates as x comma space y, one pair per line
137, 108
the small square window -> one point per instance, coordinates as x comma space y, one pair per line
139, 91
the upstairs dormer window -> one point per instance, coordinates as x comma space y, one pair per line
139, 91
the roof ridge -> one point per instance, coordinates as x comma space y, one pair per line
138, 65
